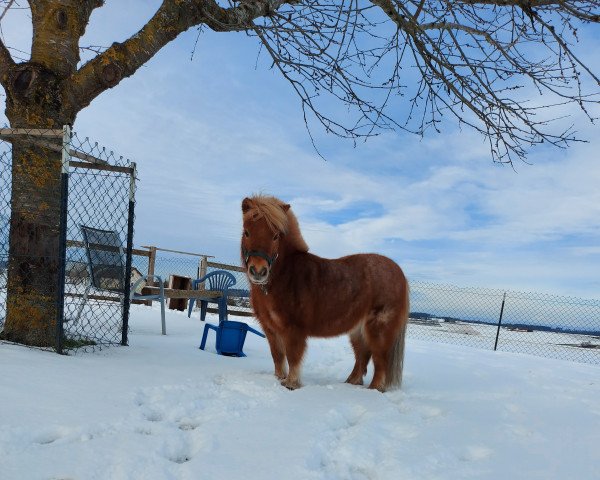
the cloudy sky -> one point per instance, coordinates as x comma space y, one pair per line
208, 131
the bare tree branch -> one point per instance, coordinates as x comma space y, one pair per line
6, 60
477, 70
6, 9
173, 17
6, 63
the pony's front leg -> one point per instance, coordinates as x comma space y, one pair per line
295, 345
277, 352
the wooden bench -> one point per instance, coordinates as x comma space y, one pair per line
206, 294
187, 294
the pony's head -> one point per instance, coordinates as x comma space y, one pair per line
268, 222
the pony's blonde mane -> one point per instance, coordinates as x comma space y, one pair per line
279, 218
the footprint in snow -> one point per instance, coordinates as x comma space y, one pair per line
428, 412
476, 453
188, 424
344, 449
152, 415
345, 417
177, 449
143, 430
50, 436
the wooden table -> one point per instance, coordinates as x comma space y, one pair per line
204, 294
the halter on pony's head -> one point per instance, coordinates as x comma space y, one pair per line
274, 212
258, 253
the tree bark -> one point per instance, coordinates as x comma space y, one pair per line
34, 100
33, 267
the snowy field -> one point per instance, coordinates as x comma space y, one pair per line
162, 409
565, 346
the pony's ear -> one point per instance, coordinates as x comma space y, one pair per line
286, 207
245, 205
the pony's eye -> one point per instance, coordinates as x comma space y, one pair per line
276, 236
246, 233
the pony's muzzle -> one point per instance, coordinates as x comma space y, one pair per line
258, 275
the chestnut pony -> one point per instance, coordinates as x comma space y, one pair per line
296, 294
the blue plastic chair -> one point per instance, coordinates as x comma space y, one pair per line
219, 280
230, 337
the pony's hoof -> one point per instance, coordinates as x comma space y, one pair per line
290, 384
280, 376
355, 381
381, 388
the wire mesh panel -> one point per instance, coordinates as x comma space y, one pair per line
167, 264
551, 326
537, 324
52, 183
5, 194
139, 265
239, 297
99, 198
446, 313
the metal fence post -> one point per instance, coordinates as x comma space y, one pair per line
62, 242
128, 255
500, 321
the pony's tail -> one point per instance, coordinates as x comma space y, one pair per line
393, 377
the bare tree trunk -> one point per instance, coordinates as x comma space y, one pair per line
33, 268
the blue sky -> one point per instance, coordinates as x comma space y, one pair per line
207, 132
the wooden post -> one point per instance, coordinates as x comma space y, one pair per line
151, 263
202, 269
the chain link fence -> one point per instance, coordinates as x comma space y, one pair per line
533, 323
52, 183
101, 196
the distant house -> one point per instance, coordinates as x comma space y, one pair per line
135, 276
520, 329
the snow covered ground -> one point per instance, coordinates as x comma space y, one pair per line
162, 409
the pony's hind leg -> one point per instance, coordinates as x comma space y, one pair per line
380, 337
380, 362
362, 355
